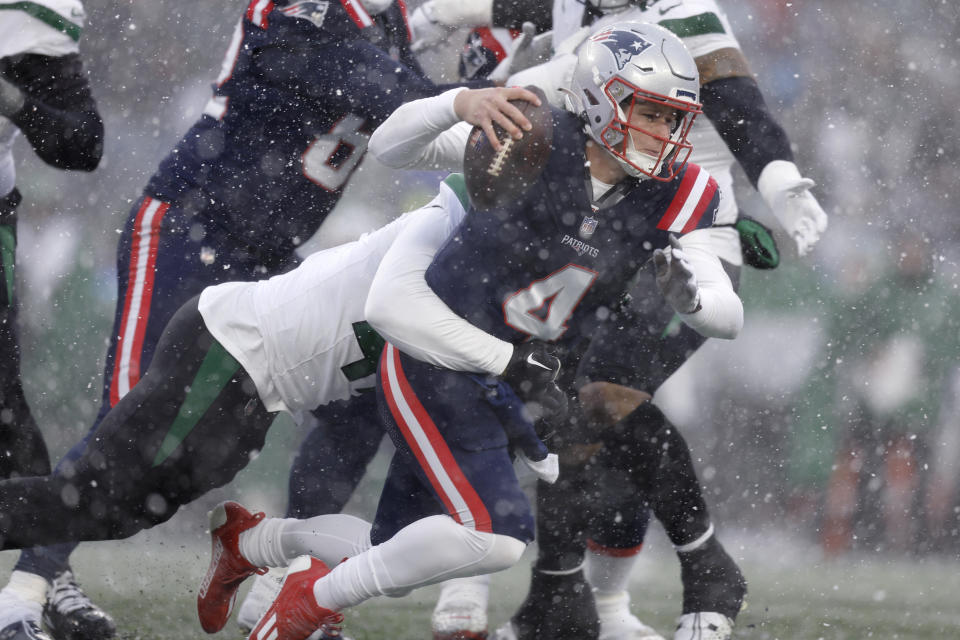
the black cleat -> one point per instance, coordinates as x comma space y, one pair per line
70, 614
712, 581
558, 607
23, 630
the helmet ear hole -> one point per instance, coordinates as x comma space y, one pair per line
592, 99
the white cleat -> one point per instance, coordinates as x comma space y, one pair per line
261, 595
461, 611
703, 625
616, 621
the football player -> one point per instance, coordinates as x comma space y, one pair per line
302, 85
544, 266
44, 94
738, 128
226, 362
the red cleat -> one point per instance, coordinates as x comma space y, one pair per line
295, 614
228, 569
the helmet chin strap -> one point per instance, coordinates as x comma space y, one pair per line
639, 159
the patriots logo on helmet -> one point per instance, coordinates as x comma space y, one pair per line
622, 44
311, 10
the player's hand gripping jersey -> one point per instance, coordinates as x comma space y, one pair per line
302, 86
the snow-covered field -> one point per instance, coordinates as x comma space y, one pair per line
149, 584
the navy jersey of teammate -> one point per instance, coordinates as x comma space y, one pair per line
302, 86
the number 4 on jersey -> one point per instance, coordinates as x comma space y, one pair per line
543, 308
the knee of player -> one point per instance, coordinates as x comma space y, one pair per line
503, 552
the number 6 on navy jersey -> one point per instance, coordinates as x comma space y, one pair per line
331, 158
543, 308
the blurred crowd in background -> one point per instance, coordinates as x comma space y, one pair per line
836, 411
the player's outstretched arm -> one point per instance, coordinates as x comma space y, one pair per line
49, 99
435, 20
431, 133
734, 103
403, 308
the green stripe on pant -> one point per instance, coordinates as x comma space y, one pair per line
216, 370
8, 250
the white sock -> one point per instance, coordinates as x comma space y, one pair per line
608, 573
29, 586
274, 542
428, 551
23, 598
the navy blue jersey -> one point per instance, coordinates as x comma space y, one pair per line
302, 87
546, 265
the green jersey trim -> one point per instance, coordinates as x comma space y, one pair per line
216, 370
371, 345
698, 25
8, 249
458, 184
47, 16
671, 327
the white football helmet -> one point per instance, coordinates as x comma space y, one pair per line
622, 65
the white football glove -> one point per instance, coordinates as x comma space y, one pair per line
787, 193
547, 469
527, 50
433, 21
675, 278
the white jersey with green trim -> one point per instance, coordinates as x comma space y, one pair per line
46, 27
302, 336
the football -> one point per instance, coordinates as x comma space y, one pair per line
496, 177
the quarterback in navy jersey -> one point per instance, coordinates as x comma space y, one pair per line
547, 264
542, 267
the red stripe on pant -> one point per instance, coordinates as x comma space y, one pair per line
137, 297
429, 447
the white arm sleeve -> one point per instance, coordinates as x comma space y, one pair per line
721, 312
405, 310
422, 134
